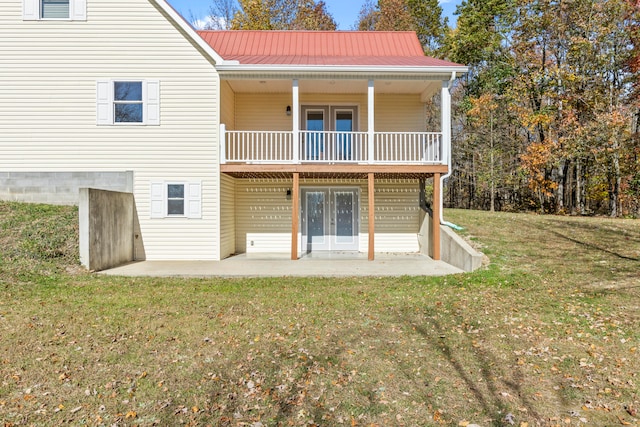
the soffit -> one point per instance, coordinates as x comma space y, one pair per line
335, 86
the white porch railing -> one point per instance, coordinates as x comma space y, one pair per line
407, 147
331, 147
258, 147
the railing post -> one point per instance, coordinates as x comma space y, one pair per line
296, 121
223, 144
371, 121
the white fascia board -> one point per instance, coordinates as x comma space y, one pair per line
321, 69
189, 30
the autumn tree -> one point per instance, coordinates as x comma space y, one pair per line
561, 74
271, 15
572, 78
422, 16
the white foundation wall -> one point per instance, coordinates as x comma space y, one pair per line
263, 214
48, 118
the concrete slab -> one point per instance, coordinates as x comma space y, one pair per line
323, 265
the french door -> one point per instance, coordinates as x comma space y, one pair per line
330, 219
337, 146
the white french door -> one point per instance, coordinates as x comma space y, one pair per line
330, 219
328, 132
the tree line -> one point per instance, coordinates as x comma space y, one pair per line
547, 117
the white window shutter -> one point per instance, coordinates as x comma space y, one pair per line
30, 10
157, 200
78, 10
104, 110
194, 200
152, 103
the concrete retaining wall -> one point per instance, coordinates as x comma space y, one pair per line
59, 188
107, 228
454, 249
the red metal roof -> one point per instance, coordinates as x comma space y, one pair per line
383, 48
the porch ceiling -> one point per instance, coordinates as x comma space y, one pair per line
429, 87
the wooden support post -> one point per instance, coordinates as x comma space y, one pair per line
435, 221
372, 216
295, 215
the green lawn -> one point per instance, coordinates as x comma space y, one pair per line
546, 334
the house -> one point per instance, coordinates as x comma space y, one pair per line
231, 142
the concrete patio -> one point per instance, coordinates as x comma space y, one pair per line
318, 265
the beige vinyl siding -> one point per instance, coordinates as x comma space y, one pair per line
397, 216
263, 215
263, 111
228, 106
393, 112
400, 113
48, 110
227, 216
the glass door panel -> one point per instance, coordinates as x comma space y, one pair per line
315, 221
345, 219
344, 125
330, 219
315, 140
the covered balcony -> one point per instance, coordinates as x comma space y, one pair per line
323, 121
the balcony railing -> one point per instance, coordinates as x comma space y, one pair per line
282, 147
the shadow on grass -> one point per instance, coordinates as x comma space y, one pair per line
488, 392
593, 246
565, 230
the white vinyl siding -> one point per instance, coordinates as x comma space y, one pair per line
48, 110
73, 10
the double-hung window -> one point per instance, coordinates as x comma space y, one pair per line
128, 102
54, 9
176, 199
70, 10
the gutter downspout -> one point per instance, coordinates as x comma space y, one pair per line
448, 159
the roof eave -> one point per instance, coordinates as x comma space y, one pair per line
285, 69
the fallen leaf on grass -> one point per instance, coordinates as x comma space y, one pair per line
623, 421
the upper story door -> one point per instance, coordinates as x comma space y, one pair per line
327, 132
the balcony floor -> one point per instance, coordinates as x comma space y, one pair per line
341, 170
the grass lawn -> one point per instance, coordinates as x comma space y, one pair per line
546, 334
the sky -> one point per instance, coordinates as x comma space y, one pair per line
345, 12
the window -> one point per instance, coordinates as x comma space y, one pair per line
176, 199
70, 10
128, 102
54, 9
